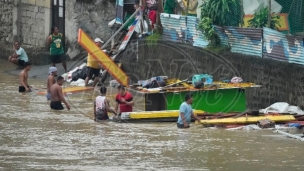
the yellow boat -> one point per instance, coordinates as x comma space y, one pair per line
154, 114
247, 120
70, 90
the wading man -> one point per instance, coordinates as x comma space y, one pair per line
24, 87
57, 95
102, 106
186, 112
19, 57
50, 81
124, 100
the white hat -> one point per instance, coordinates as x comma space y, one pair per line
98, 40
52, 69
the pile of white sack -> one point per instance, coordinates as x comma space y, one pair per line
80, 82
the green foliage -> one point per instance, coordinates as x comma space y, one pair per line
260, 20
153, 39
206, 26
223, 12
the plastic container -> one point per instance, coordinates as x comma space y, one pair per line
206, 78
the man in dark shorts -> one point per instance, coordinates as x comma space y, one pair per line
19, 57
57, 95
24, 87
92, 64
57, 55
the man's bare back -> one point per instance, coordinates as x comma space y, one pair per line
24, 87
51, 81
57, 95
55, 91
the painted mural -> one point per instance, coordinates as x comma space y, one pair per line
283, 47
180, 28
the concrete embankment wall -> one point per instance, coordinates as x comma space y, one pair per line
30, 22
281, 81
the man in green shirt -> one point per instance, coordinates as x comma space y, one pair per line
55, 42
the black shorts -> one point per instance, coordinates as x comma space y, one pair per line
57, 58
181, 126
22, 89
92, 71
21, 62
56, 105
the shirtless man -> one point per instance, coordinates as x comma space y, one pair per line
24, 87
57, 95
51, 80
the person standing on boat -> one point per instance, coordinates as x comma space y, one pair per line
102, 106
186, 112
124, 100
55, 41
51, 80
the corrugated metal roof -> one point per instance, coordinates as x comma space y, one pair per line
176, 28
194, 35
245, 40
222, 35
283, 47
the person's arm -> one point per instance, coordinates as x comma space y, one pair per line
131, 103
62, 98
50, 82
94, 110
107, 103
116, 107
184, 119
49, 40
22, 82
194, 116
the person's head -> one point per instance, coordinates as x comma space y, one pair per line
16, 45
27, 66
98, 42
54, 30
136, 4
60, 80
121, 90
103, 90
53, 71
188, 98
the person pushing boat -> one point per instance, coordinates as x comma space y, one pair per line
124, 100
186, 112
102, 106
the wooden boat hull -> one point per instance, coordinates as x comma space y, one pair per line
248, 120
156, 115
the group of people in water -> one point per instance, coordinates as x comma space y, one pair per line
124, 99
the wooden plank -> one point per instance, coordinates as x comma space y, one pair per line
70, 90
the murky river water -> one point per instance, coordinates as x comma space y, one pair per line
33, 137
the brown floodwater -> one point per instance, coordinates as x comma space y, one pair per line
34, 137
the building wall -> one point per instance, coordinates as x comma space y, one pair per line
6, 21
93, 17
26, 21
281, 81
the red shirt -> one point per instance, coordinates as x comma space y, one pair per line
123, 106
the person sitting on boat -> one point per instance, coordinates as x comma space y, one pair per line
124, 100
186, 112
102, 106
